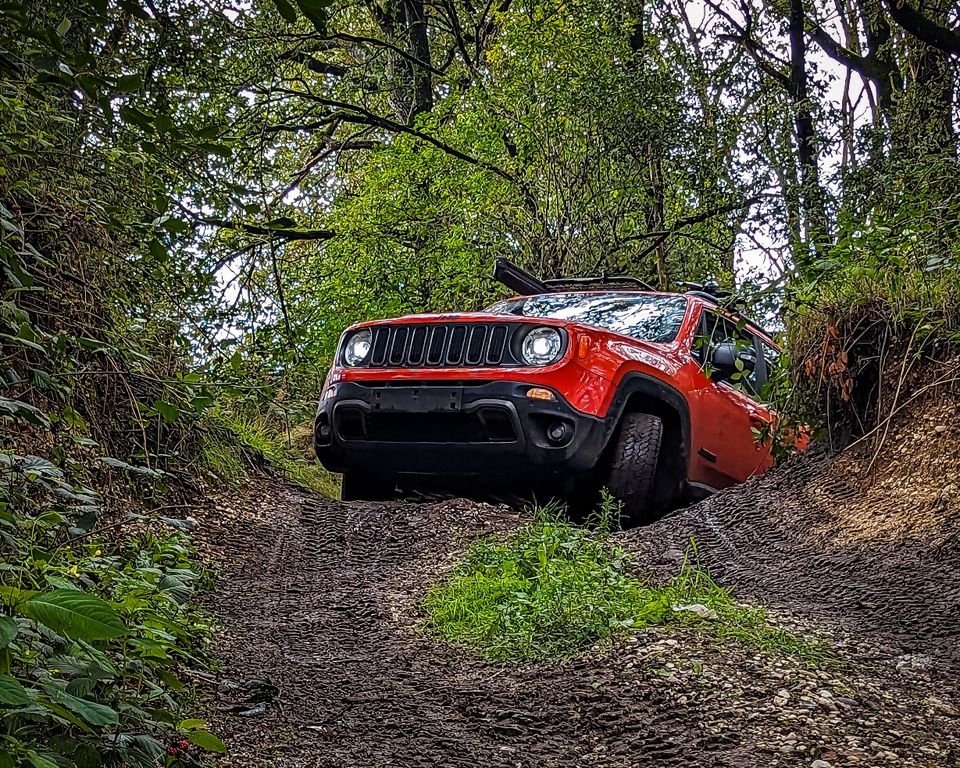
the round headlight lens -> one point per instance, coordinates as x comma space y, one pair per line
542, 346
357, 348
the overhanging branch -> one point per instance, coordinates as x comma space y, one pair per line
354, 113
924, 28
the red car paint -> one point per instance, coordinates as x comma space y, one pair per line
724, 421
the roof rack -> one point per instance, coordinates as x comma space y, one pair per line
525, 284
608, 280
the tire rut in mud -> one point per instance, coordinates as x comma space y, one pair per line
318, 597
879, 555
318, 600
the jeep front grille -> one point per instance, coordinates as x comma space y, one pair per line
443, 345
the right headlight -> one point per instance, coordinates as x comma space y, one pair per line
357, 348
542, 346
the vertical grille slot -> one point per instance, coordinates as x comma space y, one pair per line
498, 343
438, 342
475, 346
381, 337
418, 346
398, 344
455, 350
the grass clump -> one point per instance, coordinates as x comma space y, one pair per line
240, 442
551, 589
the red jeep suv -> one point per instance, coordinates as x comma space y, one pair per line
560, 392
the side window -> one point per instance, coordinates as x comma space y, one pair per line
716, 329
771, 361
771, 356
712, 331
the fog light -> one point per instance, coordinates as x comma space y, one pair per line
331, 391
558, 432
539, 393
324, 431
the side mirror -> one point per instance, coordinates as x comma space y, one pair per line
726, 360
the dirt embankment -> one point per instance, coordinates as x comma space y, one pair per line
325, 664
869, 540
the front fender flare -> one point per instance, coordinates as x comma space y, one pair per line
635, 383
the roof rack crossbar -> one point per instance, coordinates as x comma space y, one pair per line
601, 280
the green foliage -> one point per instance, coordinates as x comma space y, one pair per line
240, 439
75, 614
92, 633
551, 589
886, 295
563, 149
95, 624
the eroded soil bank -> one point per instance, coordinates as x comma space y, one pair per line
869, 539
325, 665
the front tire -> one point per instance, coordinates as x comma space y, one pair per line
361, 486
632, 478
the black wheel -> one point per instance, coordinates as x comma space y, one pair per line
361, 486
633, 467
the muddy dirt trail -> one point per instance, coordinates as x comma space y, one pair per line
325, 665
869, 539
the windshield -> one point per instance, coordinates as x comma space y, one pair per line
642, 317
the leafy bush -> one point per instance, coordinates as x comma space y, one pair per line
551, 589
885, 296
91, 633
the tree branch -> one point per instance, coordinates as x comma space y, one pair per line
751, 46
315, 65
841, 54
390, 47
659, 236
284, 233
363, 116
924, 28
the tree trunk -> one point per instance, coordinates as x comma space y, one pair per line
811, 193
404, 24
419, 47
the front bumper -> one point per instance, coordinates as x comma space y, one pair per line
453, 428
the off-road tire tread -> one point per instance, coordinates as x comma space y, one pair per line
633, 466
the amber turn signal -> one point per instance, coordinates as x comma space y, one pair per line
583, 348
539, 393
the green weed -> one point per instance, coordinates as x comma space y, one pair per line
94, 631
551, 589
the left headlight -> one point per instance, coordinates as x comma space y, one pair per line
357, 348
542, 346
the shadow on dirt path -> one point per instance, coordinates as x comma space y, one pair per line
318, 606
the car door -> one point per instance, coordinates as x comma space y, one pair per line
730, 435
